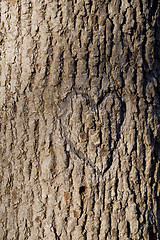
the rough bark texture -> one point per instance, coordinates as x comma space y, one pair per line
79, 119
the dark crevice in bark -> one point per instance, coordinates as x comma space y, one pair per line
82, 195
100, 137
154, 5
98, 62
84, 232
36, 135
141, 6
57, 237
116, 186
104, 189
61, 66
152, 232
128, 229
67, 155
30, 169
82, 190
111, 40
158, 212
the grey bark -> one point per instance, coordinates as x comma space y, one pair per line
79, 119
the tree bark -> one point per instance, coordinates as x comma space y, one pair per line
80, 119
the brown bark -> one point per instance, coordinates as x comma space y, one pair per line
79, 119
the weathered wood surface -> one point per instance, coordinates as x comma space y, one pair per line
79, 119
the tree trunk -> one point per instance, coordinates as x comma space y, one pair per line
79, 119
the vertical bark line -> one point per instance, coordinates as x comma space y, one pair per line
79, 119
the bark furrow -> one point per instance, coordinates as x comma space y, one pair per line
80, 119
